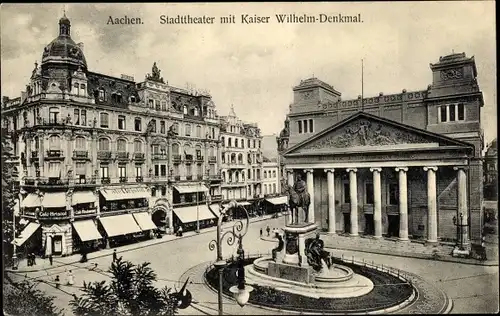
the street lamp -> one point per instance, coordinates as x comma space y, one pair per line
241, 292
460, 226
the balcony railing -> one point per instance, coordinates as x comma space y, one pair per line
123, 179
212, 159
176, 158
139, 179
189, 177
104, 154
159, 156
105, 180
199, 158
34, 155
215, 177
80, 154
122, 155
177, 178
189, 157
54, 153
138, 156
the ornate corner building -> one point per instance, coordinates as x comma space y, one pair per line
404, 166
103, 159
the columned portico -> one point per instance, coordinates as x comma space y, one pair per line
330, 174
431, 205
377, 202
310, 190
353, 192
403, 203
462, 209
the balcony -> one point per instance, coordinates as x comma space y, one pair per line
123, 179
177, 178
104, 154
49, 182
139, 179
176, 159
215, 177
189, 178
34, 155
212, 159
122, 155
199, 158
139, 156
105, 180
189, 158
80, 154
54, 154
157, 156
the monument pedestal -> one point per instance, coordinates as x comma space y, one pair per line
291, 262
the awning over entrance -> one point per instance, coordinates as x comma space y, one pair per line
32, 200
126, 193
54, 199
87, 230
278, 200
119, 225
191, 188
144, 221
190, 214
80, 197
27, 232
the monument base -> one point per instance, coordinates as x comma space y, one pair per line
290, 272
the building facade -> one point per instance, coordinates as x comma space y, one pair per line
404, 165
491, 172
104, 158
270, 180
241, 160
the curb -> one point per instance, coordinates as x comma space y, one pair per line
412, 255
139, 246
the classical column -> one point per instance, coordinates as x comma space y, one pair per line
289, 173
302, 251
431, 205
353, 192
403, 204
330, 174
377, 202
310, 190
462, 204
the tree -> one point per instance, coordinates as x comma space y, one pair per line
10, 193
24, 299
131, 292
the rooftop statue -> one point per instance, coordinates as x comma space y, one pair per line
155, 74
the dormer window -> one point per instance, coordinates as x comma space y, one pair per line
195, 112
151, 104
82, 88
102, 94
76, 89
185, 111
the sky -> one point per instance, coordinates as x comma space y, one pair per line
254, 66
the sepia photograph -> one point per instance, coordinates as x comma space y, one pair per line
281, 158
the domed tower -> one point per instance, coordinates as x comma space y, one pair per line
61, 58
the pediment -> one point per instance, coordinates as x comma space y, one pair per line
55, 229
366, 132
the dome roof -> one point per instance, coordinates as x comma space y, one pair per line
63, 48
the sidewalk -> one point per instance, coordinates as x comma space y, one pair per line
43, 264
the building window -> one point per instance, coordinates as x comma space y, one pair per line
157, 170
138, 171
274, 187
121, 122
461, 112
162, 127
53, 116
137, 125
175, 149
198, 131
155, 149
451, 113
76, 89
189, 170
393, 194
104, 120
104, 171
151, 103
121, 145
104, 144
253, 143
188, 130
122, 171
102, 94
305, 126
83, 117
163, 190
248, 143
236, 142
80, 143
76, 117
369, 193
152, 123
163, 105
265, 174
153, 191
185, 110
163, 170
311, 126
229, 142
54, 142
80, 169
198, 154
82, 87
347, 193
137, 146
157, 105
176, 128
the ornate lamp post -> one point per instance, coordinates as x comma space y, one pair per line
241, 292
460, 226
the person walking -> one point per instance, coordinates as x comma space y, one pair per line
33, 258
51, 259
71, 278
114, 255
28, 257
268, 230
261, 232
57, 281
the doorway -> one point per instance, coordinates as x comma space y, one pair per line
369, 225
347, 223
57, 245
393, 228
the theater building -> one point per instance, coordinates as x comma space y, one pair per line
102, 158
405, 166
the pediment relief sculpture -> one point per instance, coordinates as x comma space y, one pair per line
366, 133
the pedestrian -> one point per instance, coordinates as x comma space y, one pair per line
268, 230
71, 278
114, 255
58, 281
28, 257
33, 258
51, 259
261, 232
483, 248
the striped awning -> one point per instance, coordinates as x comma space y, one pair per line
192, 213
87, 230
144, 221
119, 225
54, 199
80, 197
32, 200
126, 193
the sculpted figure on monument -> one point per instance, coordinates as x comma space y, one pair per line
298, 197
281, 244
315, 253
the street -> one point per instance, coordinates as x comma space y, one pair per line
473, 288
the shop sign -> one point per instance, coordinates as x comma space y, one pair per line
85, 212
29, 213
53, 214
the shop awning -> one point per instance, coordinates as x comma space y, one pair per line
80, 197
87, 230
32, 200
27, 232
278, 200
54, 199
190, 214
126, 193
244, 203
191, 188
119, 225
16, 208
144, 221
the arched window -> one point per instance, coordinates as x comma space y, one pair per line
199, 156
37, 143
175, 149
80, 143
104, 144
265, 174
76, 89
223, 140
187, 149
223, 174
274, 173
137, 146
233, 158
198, 131
236, 142
121, 145
54, 142
185, 109
229, 142
212, 151
176, 127
240, 158
188, 130
82, 88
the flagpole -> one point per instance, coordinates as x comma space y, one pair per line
362, 81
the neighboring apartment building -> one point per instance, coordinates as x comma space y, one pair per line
241, 160
102, 157
400, 165
270, 180
491, 172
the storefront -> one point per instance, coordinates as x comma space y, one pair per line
188, 216
275, 204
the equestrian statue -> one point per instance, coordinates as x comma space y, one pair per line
298, 197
